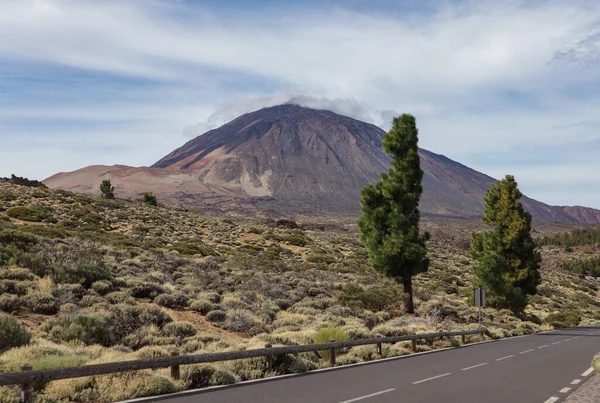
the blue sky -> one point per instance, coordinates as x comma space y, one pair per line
502, 86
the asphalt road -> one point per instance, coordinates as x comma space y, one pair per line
541, 368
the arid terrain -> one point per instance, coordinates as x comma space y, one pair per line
96, 280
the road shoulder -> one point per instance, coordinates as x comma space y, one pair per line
589, 392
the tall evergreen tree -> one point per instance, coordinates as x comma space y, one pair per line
107, 189
508, 261
389, 223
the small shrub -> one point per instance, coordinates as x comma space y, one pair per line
90, 329
202, 306
44, 304
150, 199
179, 329
12, 334
239, 321
102, 287
216, 316
32, 214
325, 335
173, 301
596, 363
9, 303
564, 319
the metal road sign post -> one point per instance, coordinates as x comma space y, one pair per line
479, 301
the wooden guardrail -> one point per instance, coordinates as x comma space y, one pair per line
27, 376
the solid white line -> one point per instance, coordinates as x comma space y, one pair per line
564, 390
368, 396
575, 381
551, 400
544, 346
474, 366
526, 351
504, 358
558, 342
432, 378
589, 371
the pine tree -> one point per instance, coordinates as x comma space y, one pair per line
389, 223
150, 199
508, 261
107, 189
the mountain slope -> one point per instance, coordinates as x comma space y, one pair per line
291, 159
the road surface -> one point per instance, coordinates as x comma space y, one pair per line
541, 368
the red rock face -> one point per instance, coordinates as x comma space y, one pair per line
290, 159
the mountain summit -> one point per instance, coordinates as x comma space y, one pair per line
292, 159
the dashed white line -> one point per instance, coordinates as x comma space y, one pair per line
544, 346
504, 358
589, 371
552, 399
564, 390
576, 382
558, 342
564, 341
474, 366
432, 378
527, 351
368, 396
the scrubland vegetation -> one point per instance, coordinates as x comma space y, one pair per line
88, 280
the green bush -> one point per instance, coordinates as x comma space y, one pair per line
216, 316
90, 329
12, 334
374, 298
173, 301
325, 335
179, 329
564, 319
9, 303
102, 287
23, 241
32, 214
596, 363
142, 289
202, 306
200, 376
150, 199
44, 304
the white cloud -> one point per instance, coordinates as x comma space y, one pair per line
455, 69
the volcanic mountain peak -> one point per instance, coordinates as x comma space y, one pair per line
291, 159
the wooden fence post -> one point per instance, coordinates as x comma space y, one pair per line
269, 357
26, 394
379, 350
175, 373
414, 346
332, 354
463, 339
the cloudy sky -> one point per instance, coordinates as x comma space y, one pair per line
502, 86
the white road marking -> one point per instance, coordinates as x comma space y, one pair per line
544, 346
474, 366
558, 342
551, 400
589, 371
575, 337
575, 381
564, 390
564, 341
504, 358
432, 378
368, 396
526, 351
